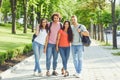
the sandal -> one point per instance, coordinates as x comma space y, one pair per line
66, 74
54, 73
62, 70
47, 73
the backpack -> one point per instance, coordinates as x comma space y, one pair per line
85, 39
33, 37
51, 26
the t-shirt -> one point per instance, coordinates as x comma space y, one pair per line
76, 34
41, 38
53, 32
63, 41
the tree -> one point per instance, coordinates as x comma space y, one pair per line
25, 4
32, 14
114, 25
13, 10
0, 3
5, 9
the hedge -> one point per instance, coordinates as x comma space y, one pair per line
15, 52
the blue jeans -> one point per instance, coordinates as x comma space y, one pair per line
38, 50
51, 51
77, 52
64, 52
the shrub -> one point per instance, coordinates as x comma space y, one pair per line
2, 58
116, 53
27, 48
15, 52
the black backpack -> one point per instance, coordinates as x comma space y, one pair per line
85, 40
33, 37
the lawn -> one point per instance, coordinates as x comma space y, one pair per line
10, 41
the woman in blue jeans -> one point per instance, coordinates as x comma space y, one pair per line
38, 45
64, 38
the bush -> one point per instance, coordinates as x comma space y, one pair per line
15, 52
2, 57
27, 48
116, 53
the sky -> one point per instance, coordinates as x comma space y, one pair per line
117, 1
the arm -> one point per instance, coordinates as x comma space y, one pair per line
83, 30
57, 42
37, 30
46, 43
85, 33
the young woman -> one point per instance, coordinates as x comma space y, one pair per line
64, 39
39, 45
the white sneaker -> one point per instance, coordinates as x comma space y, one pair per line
40, 74
35, 74
74, 74
78, 75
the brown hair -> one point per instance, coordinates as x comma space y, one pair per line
41, 27
74, 16
56, 14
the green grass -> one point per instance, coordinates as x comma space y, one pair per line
104, 43
116, 54
10, 41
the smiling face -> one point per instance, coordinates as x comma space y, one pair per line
44, 23
66, 24
74, 19
56, 19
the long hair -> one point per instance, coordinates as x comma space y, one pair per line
41, 26
69, 31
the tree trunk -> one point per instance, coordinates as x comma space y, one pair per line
92, 30
0, 3
95, 35
102, 33
38, 17
98, 32
32, 19
114, 24
13, 10
25, 16
5, 18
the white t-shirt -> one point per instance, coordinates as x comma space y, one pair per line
41, 38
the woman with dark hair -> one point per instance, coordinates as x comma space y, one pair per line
38, 45
65, 37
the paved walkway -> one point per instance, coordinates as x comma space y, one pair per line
99, 64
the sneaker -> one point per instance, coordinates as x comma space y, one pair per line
54, 73
78, 75
74, 74
40, 74
47, 73
35, 74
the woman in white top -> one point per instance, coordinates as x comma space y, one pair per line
39, 45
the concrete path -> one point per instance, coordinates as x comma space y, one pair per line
98, 64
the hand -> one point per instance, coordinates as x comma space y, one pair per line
78, 30
57, 48
44, 50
